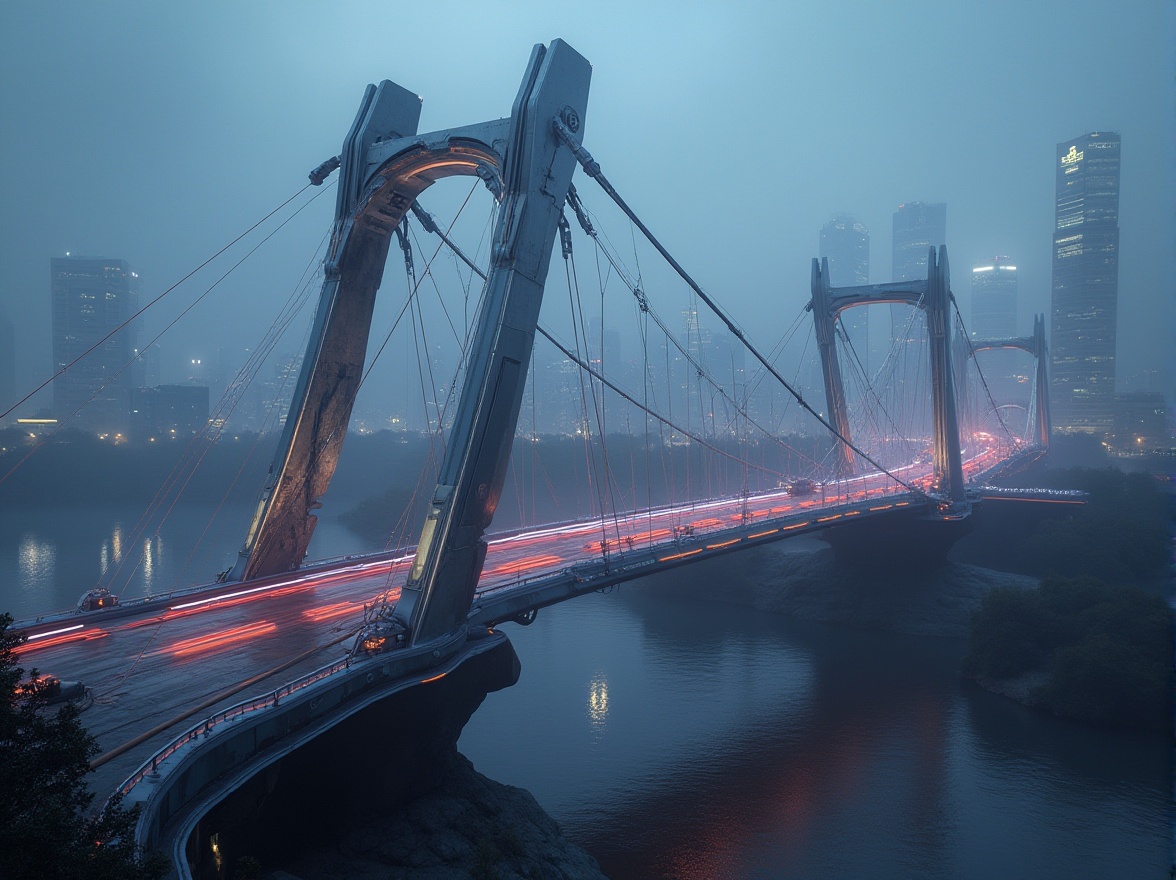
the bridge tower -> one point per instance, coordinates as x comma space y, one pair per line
825, 327
383, 167
1041, 425
934, 297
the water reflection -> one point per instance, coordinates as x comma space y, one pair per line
37, 561
152, 558
598, 701
744, 745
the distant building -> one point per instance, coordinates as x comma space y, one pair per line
845, 243
1085, 283
168, 412
1141, 422
994, 316
918, 227
91, 299
994, 300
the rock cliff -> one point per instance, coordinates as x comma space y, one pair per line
468, 828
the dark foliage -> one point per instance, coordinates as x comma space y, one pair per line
1107, 650
45, 832
1121, 534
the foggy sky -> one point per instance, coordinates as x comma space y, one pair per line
156, 133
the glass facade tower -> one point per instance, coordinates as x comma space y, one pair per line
845, 243
1085, 295
994, 300
91, 297
918, 227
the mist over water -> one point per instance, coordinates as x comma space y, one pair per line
699, 740
690, 739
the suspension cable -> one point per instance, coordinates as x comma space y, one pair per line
979, 372
97, 344
685, 433
592, 169
158, 335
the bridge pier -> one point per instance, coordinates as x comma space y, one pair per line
912, 541
378, 759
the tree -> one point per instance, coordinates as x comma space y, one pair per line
46, 828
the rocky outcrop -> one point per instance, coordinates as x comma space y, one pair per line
468, 828
802, 579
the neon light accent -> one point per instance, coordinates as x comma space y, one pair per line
679, 555
827, 518
882, 507
763, 534
434, 678
724, 544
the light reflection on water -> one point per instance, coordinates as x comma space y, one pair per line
51, 556
679, 740
37, 561
598, 700
720, 742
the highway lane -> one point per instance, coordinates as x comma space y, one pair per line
145, 670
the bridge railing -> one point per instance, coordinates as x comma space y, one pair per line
205, 727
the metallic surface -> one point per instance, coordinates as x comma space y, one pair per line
535, 179
1035, 345
934, 297
384, 167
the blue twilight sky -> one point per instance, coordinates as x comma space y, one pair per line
158, 131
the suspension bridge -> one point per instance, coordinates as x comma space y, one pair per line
197, 691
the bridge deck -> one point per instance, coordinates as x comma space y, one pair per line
147, 669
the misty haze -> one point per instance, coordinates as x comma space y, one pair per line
630, 441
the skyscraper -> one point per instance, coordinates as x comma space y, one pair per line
1085, 283
92, 297
845, 243
994, 300
918, 226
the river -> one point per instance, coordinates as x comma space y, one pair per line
677, 739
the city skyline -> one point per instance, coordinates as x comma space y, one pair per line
752, 246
